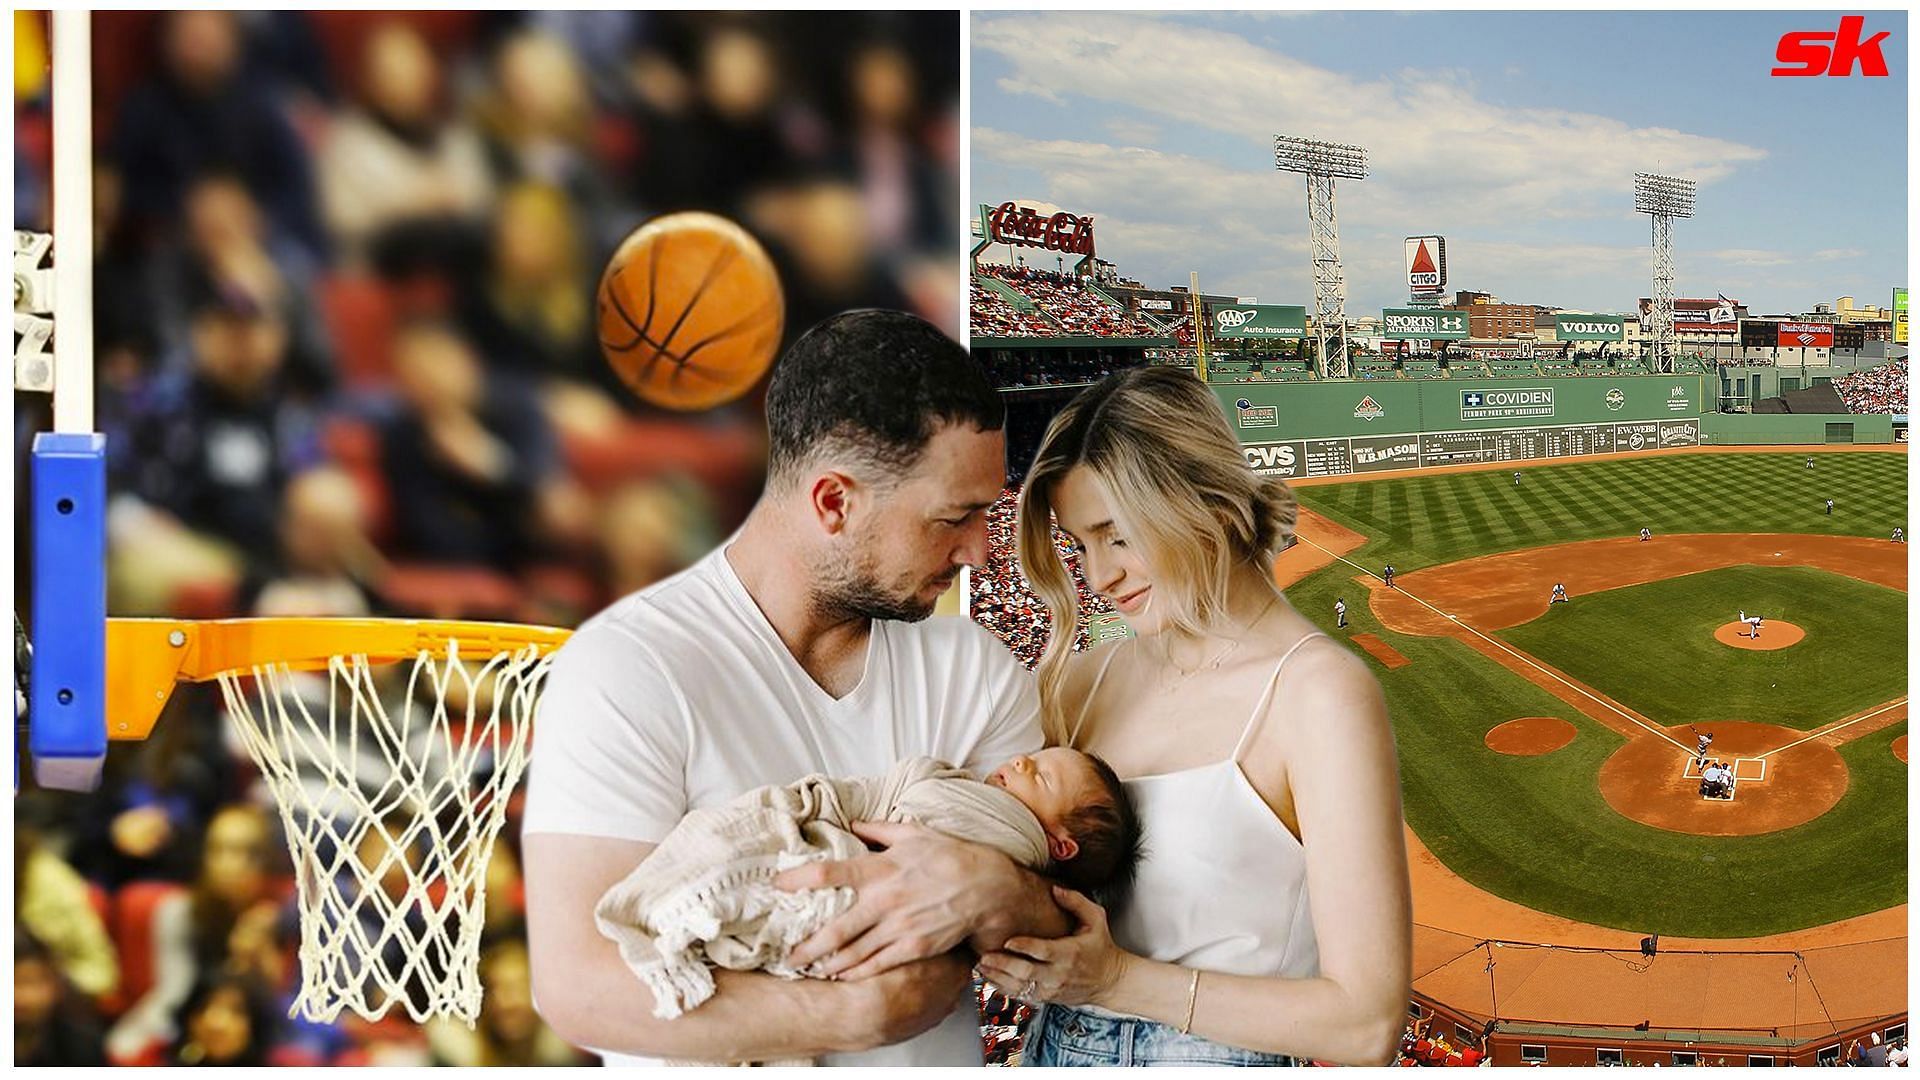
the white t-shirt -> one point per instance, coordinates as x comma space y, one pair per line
682, 696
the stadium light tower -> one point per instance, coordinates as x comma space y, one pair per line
1321, 163
1662, 198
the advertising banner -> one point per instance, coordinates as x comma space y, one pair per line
1444, 325
1426, 265
1718, 315
1590, 328
1899, 316
1805, 335
1282, 459
1506, 404
1260, 321
1022, 225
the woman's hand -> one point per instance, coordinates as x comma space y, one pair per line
1078, 969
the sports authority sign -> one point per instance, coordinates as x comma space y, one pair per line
1589, 328
1505, 404
1806, 335
1899, 316
1259, 321
1426, 265
1444, 325
1022, 225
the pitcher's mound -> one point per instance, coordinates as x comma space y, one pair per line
1530, 736
1774, 634
1900, 748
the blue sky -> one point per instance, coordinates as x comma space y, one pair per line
1515, 135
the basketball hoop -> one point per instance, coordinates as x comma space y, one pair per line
392, 790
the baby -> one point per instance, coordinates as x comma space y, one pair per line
705, 896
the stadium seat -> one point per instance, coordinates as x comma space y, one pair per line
130, 923
361, 315
441, 591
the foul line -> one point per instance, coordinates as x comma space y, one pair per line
1516, 654
1824, 732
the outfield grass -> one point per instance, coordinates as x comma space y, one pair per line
1427, 520
1651, 647
1536, 829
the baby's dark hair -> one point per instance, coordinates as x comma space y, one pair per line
1108, 833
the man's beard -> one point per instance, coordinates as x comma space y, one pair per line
856, 592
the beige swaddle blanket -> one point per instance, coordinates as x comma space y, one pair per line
705, 895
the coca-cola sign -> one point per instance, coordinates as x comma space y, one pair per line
1022, 225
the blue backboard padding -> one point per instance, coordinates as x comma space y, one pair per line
67, 728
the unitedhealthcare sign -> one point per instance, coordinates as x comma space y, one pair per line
1505, 404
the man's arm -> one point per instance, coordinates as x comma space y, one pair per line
590, 998
922, 896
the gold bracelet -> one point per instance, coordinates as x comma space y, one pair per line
1193, 992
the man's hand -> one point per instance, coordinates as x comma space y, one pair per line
920, 896
910, 999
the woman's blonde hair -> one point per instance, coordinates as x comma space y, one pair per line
1181, 492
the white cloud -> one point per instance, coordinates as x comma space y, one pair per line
1429, 135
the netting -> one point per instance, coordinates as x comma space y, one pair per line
1798, 994
392, 793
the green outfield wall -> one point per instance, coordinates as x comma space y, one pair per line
1796, 429
1351, 426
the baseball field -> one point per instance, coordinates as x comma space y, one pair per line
1548, 750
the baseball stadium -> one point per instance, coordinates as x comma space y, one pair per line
1734, 600
347, 380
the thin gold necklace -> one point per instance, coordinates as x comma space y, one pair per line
1214, 664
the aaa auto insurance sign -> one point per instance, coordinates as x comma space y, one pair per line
1416, 323
1505, 404
1259, 321
1426, 264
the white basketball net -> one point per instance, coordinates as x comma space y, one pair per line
391, 816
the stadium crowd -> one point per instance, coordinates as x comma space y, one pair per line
346, 361
1881, 389
1050, 367
990, 314
1070, 303
999, 597
1420, 1045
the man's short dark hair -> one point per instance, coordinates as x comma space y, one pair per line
875, 385
1108, 833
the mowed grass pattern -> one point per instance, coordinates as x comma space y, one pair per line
1427, 520
1651, 647
1536, 829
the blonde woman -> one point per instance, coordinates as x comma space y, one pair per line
1270, 920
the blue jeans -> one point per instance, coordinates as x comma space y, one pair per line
1064, 1036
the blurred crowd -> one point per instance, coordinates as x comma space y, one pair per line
1880, 389
346, 361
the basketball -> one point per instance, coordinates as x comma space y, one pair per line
690, 311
